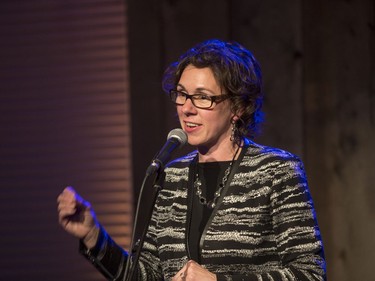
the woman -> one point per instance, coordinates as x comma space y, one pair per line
232, 209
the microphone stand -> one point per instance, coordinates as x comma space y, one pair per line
135, 248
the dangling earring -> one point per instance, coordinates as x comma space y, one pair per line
234, 129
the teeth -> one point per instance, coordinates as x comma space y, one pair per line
191, 125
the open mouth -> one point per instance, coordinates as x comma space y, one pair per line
191, 125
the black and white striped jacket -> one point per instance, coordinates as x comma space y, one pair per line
263, 228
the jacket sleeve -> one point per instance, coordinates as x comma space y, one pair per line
110, 259
295, 226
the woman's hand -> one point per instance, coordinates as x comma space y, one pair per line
77, 217
192, 271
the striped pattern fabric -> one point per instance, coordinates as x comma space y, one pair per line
264, 227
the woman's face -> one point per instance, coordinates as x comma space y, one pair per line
208, 129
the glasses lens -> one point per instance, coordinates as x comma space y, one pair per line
202, 101
177, 97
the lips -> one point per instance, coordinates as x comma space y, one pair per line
191, 127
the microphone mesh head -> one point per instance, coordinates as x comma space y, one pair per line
178, 134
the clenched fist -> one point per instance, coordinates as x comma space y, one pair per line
77, 217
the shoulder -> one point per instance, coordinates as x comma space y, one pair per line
266, 165
266, 158
182, 161
178, 169
255, 151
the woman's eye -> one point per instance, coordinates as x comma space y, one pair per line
203, 97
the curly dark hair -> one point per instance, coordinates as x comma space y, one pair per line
238, 74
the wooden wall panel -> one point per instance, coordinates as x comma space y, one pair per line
340, 130
272, 31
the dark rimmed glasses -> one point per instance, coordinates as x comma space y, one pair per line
199, 100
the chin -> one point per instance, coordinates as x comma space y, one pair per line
193, 142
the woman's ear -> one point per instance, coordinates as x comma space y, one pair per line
234, 119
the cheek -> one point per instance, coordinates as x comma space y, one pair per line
179, 111
219, 122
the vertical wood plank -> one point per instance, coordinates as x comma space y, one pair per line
272, 31
340, 131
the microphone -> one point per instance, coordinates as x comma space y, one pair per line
176, 138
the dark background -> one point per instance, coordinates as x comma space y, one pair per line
81, 104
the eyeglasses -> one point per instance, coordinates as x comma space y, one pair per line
199, 100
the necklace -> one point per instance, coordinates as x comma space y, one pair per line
198, 183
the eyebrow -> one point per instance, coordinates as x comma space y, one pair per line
198, 89
180, 86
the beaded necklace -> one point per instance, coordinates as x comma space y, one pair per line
198, 183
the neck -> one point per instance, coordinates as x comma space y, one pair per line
229, 154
